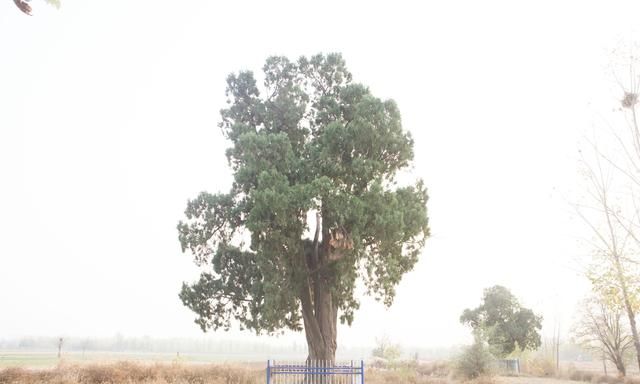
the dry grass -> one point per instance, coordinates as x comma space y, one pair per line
410, 373
483, 380
376, 376
140, 373
135, 373
532, 380
180, 373
548, 380
539, 367
570, 375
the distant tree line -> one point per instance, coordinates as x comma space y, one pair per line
148, 344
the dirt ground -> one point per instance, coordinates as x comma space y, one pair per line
533, 380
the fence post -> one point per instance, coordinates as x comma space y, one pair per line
268, 371
362, 371
351, 381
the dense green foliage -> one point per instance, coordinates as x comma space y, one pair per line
314, 205
503, 323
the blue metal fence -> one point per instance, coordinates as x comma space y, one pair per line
315, 372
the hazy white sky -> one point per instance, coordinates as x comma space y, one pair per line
108, 124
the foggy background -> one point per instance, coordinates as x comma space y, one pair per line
108, 124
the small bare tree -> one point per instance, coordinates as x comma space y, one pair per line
60, 347
601, 331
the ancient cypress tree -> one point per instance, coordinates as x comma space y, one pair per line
314, 206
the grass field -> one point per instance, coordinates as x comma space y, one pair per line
37, 360
180, 373
133, 373
129, 368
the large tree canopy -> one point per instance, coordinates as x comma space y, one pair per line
503, 323
314, 205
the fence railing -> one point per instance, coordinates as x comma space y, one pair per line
315, 372
510, 366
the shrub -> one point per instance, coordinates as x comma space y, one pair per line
475, 361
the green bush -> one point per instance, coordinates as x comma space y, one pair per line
475, 361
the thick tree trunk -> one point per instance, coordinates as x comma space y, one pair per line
319, 310
320, 321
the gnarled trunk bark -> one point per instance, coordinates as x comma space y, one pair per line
319, 309
320, 316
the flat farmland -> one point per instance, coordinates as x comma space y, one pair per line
47, 359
